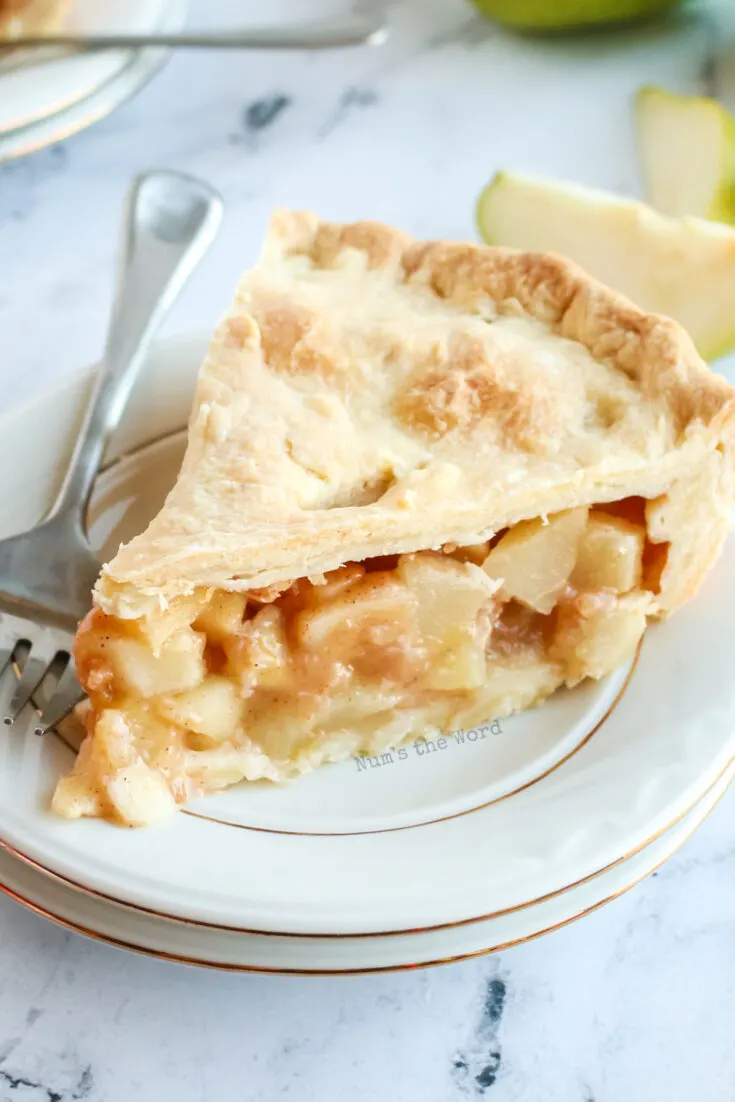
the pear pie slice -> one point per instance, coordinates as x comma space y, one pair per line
426, 484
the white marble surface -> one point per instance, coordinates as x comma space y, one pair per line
635, 1002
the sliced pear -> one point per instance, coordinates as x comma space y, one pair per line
214, 709
535, 558
223, 616
687, 152
610, 555
682, 267
600, 635
140, 794
259, 654
450, 595
177, 667
373, 600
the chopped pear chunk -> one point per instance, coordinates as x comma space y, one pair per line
223, 616
179, 664
140, 794
534, 560
372, 601
595, 635
610, 555
213, 709
259, 655
178, 614
450, 595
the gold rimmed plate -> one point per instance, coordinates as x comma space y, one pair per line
183, 943
485, 825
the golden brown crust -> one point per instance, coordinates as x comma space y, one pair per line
455, 391
369, 394
693, 517
652, 350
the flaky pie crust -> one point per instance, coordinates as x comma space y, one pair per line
369, 394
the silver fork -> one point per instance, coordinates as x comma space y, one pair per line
46, 575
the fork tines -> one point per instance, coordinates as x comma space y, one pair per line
37, 669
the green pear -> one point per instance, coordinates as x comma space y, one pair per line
561, 15
681, 267
687, 151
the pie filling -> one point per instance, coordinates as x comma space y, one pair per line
224, 686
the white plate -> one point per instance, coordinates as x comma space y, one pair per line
34, 92
191, 944
420, 842
55, 111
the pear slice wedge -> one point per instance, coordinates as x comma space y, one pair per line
687, 151
681, 267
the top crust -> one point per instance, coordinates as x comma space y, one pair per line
368, 394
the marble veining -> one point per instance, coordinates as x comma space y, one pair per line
477, 1065
635, 1002
352, 99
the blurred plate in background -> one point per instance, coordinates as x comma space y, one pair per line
45, 102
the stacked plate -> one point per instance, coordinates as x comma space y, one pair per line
434, 852
46, 97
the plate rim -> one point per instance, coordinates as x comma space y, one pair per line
84, 889
225, 966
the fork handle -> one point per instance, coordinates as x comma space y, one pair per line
170, 221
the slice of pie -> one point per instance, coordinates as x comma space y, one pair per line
426, 484
20, 17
